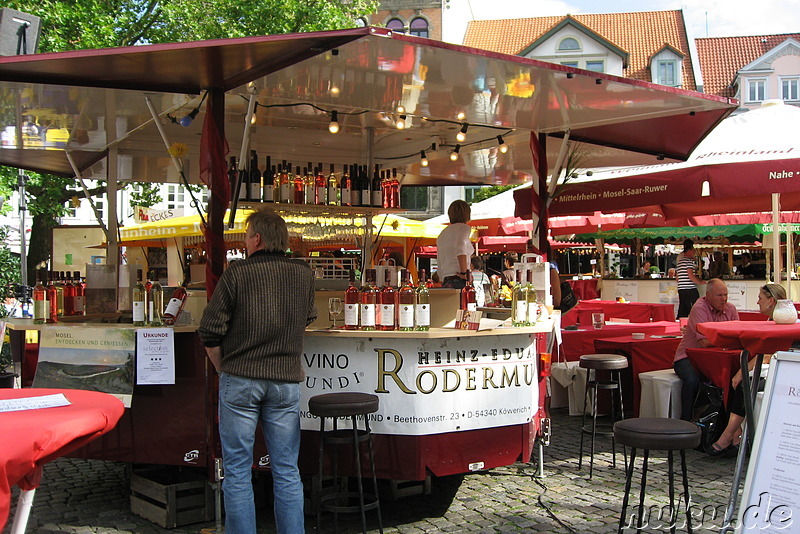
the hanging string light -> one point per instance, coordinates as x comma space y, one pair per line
333, 127
401, 122
462, 135
502, 146
423, 159
454, 153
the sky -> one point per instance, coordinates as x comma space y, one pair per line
706, 18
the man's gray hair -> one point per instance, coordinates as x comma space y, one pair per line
272, 229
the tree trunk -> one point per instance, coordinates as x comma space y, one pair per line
40, 244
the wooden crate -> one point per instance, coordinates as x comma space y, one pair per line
170, 497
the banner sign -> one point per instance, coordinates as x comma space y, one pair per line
145, 215
427, 386
95, 359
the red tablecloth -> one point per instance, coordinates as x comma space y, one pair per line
648, 354
581, 341
635, 312
31, 438
585, 289
756, 337
717, 365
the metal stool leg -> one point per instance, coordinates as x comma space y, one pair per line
583, 416
594, 422
318, 493
686, 496
374, 475
671, 476
359, 482
621, 417
615, 379
628, 478
641, 490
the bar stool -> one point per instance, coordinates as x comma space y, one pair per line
657, 433
352, 405
593, 363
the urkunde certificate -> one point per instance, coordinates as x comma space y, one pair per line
155, 356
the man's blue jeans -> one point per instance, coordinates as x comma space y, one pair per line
690, 384
243, 403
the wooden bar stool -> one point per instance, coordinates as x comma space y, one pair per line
612, 363
334, 406
657, 433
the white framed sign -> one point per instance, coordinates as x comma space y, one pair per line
427, 385
770, 501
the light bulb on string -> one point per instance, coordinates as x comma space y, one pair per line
401, 122
454, 153
187, 120
423, 159
462, 135
333, 127
501, 144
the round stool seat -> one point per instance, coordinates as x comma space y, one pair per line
661, 433
603, 361
343, 404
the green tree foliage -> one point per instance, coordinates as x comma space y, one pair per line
81, 24
488, 192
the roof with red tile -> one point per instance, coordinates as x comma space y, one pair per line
641, 34
721, 58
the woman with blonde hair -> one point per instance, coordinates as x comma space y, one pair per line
768, 297
453, 247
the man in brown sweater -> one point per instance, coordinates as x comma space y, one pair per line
253, 331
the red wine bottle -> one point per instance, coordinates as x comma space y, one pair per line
368, 300
175, 305
387, 308
468, 300
351, 301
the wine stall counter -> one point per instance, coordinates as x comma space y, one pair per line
451, 401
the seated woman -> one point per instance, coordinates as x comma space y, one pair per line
768, 297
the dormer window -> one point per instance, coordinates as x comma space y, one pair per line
667, 72
666, 67
569, 44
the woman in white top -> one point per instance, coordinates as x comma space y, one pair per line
453, 247
480, 281
768, 297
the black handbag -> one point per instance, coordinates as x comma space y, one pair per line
568, 298
709, 414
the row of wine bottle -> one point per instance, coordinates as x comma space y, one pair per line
309, 185
148, 302
386, 308
57, 294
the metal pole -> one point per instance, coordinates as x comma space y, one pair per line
23, 207
776, 238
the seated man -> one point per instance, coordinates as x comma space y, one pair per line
714, 307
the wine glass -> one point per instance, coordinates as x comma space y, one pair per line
335, 309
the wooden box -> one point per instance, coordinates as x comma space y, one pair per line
170, 497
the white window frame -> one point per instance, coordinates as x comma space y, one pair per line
569, 50
750, 83
575, 63
675, 72
791, 80
175, 196
600, 61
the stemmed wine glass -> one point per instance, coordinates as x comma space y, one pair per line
335, 309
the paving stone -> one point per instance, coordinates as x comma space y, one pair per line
82, 496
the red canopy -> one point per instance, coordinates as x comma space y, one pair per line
735, 169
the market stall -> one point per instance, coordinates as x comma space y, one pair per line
285, 96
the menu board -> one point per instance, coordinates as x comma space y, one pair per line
771, 497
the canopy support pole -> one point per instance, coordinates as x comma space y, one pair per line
789, 260
776, 238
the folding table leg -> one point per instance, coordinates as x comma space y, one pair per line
23, 511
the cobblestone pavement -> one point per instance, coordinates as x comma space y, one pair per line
88, 496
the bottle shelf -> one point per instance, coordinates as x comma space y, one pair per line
318, 210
